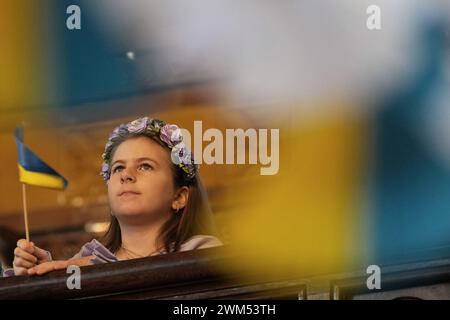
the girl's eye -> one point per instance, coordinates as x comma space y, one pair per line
117, 169
145, 167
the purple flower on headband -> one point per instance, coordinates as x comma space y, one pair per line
105, 171
123, 129
171, 135
138, 126
117, 132
108, 145
114, 134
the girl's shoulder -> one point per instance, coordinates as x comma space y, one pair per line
200, 242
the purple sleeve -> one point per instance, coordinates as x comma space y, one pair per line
9, 272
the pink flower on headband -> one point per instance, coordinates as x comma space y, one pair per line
171, 135
138, 126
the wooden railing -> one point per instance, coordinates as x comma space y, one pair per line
196, 275
183, 275
429, 280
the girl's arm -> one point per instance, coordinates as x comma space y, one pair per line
58, 264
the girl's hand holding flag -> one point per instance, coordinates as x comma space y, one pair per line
29, 259
27, 256
32, 171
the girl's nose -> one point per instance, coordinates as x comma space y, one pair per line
127, 176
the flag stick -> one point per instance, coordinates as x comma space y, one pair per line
25, 211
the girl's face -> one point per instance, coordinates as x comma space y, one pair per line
141, 184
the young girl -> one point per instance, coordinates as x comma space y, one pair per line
158, 204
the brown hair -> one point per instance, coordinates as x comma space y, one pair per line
195, 218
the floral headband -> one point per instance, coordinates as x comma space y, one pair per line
170, 134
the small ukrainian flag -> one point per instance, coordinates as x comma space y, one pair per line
34, 171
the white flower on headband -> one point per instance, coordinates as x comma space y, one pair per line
105, 171
182, 157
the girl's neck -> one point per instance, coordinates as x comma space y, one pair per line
140, 239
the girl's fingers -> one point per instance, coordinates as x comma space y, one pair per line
25, 245
20, 253
20, 271
41, 254
41, 268
22, 263
30, 248
47, 267
85, 261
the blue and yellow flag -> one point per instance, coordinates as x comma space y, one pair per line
34, 171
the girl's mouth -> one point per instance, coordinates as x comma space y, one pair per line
128, 194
